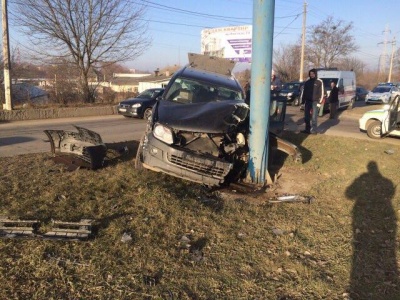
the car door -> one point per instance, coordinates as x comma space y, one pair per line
389, 120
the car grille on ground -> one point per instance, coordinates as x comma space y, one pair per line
218, 170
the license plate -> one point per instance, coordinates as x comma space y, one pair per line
122, 109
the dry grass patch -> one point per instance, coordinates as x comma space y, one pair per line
191, 243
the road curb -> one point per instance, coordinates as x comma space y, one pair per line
53, 113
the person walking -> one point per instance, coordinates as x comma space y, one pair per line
333, 100
312, 98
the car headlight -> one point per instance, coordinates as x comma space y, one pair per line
136, 105
290, 94
163, 133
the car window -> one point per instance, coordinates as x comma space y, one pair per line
192, 91
147, 94
381, 89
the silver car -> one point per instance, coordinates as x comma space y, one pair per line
381, 94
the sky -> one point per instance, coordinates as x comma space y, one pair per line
175, 26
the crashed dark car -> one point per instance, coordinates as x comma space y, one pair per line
199, 127
141, 106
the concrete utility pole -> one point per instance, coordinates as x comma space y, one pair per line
391, 59
6, 58
260, 97
303, 42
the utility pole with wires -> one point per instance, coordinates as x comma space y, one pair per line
6, 58
382, 60
391, 59
303, 41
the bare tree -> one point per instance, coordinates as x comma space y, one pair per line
329, 41
88, 33
351, 63
287, 62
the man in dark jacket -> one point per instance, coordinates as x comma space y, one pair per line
312, 96
333, 100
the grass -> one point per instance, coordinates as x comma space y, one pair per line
192, 243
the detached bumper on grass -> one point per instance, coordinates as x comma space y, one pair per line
84, 148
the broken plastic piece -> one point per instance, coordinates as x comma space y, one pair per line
293, 198
81, 230
70, 230
18, 228
84, 148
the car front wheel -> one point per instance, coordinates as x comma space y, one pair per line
374, 129
147, 113
139, 155
296, 101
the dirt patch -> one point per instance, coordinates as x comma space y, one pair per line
288, 181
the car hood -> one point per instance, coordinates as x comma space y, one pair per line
378, 94
288, 91
374, 113
136, 100
210, 117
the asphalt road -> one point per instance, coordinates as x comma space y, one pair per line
23, 137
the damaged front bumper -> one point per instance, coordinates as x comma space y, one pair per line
160, 157
204, 169
84, 148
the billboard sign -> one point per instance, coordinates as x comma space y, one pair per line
232, 42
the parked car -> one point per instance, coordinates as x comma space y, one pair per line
381, 122
382, 93
361, 93
199, 128
141, 106
292, 91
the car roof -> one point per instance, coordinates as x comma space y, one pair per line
211, 64
211, 77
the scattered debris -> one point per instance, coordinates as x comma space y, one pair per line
84, 148
184, 242
389, 151
18, 228
70, 230
126, 237
154, 279
278, 231
81, 230
293, 198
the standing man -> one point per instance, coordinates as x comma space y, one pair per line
313, 94
333, 100
276, 83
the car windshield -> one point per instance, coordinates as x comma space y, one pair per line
148, 94
291, 86
192, 91
381, 89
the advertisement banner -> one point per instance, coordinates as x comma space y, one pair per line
232, 42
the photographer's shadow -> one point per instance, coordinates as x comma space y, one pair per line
374, 273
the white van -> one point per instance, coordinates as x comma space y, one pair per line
346, 83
